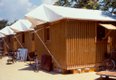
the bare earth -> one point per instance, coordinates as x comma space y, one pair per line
22, 71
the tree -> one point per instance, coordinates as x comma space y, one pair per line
109, 5
11, 23
3, 23
89, 4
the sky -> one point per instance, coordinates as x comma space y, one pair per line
16, 9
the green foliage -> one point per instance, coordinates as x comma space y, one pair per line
109, 5
89, 4
62, 2
3, 23
11, 23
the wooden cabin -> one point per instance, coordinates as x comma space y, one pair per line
8, 39
24, 34
75, 43
26, 40
19, 40
74, 38
9, 44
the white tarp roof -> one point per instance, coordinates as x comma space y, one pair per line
35, 22
1, 35
109, 26
51, 13
44, 14
21, 25
82, 13
7, 31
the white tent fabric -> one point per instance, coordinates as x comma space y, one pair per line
7, 31
88, 14
38, 13
21, 25
1, 35
35, 22
51, 13
109, 26
44, 14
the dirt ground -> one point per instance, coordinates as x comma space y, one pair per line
22, 71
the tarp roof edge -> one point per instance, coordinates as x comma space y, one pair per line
108, 26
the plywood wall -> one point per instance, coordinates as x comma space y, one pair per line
19, 40
39, 47
113, 40
29, 42
9, 43
101, 50
80, 43
14, 44
58, 42
82, 48
6, 47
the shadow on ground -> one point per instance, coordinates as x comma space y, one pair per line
9, 63
30, 67
104, 79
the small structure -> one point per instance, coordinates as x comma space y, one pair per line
24, 34
74, 38
9, 40
1, 45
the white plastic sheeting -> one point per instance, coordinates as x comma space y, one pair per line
7, 31
49, 13
1, 35
86, 14
22, 54
44, 14
21, 26
35, 22
109, 26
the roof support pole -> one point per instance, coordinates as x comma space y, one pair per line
6, 43
18, 41
47, 49
107, 34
